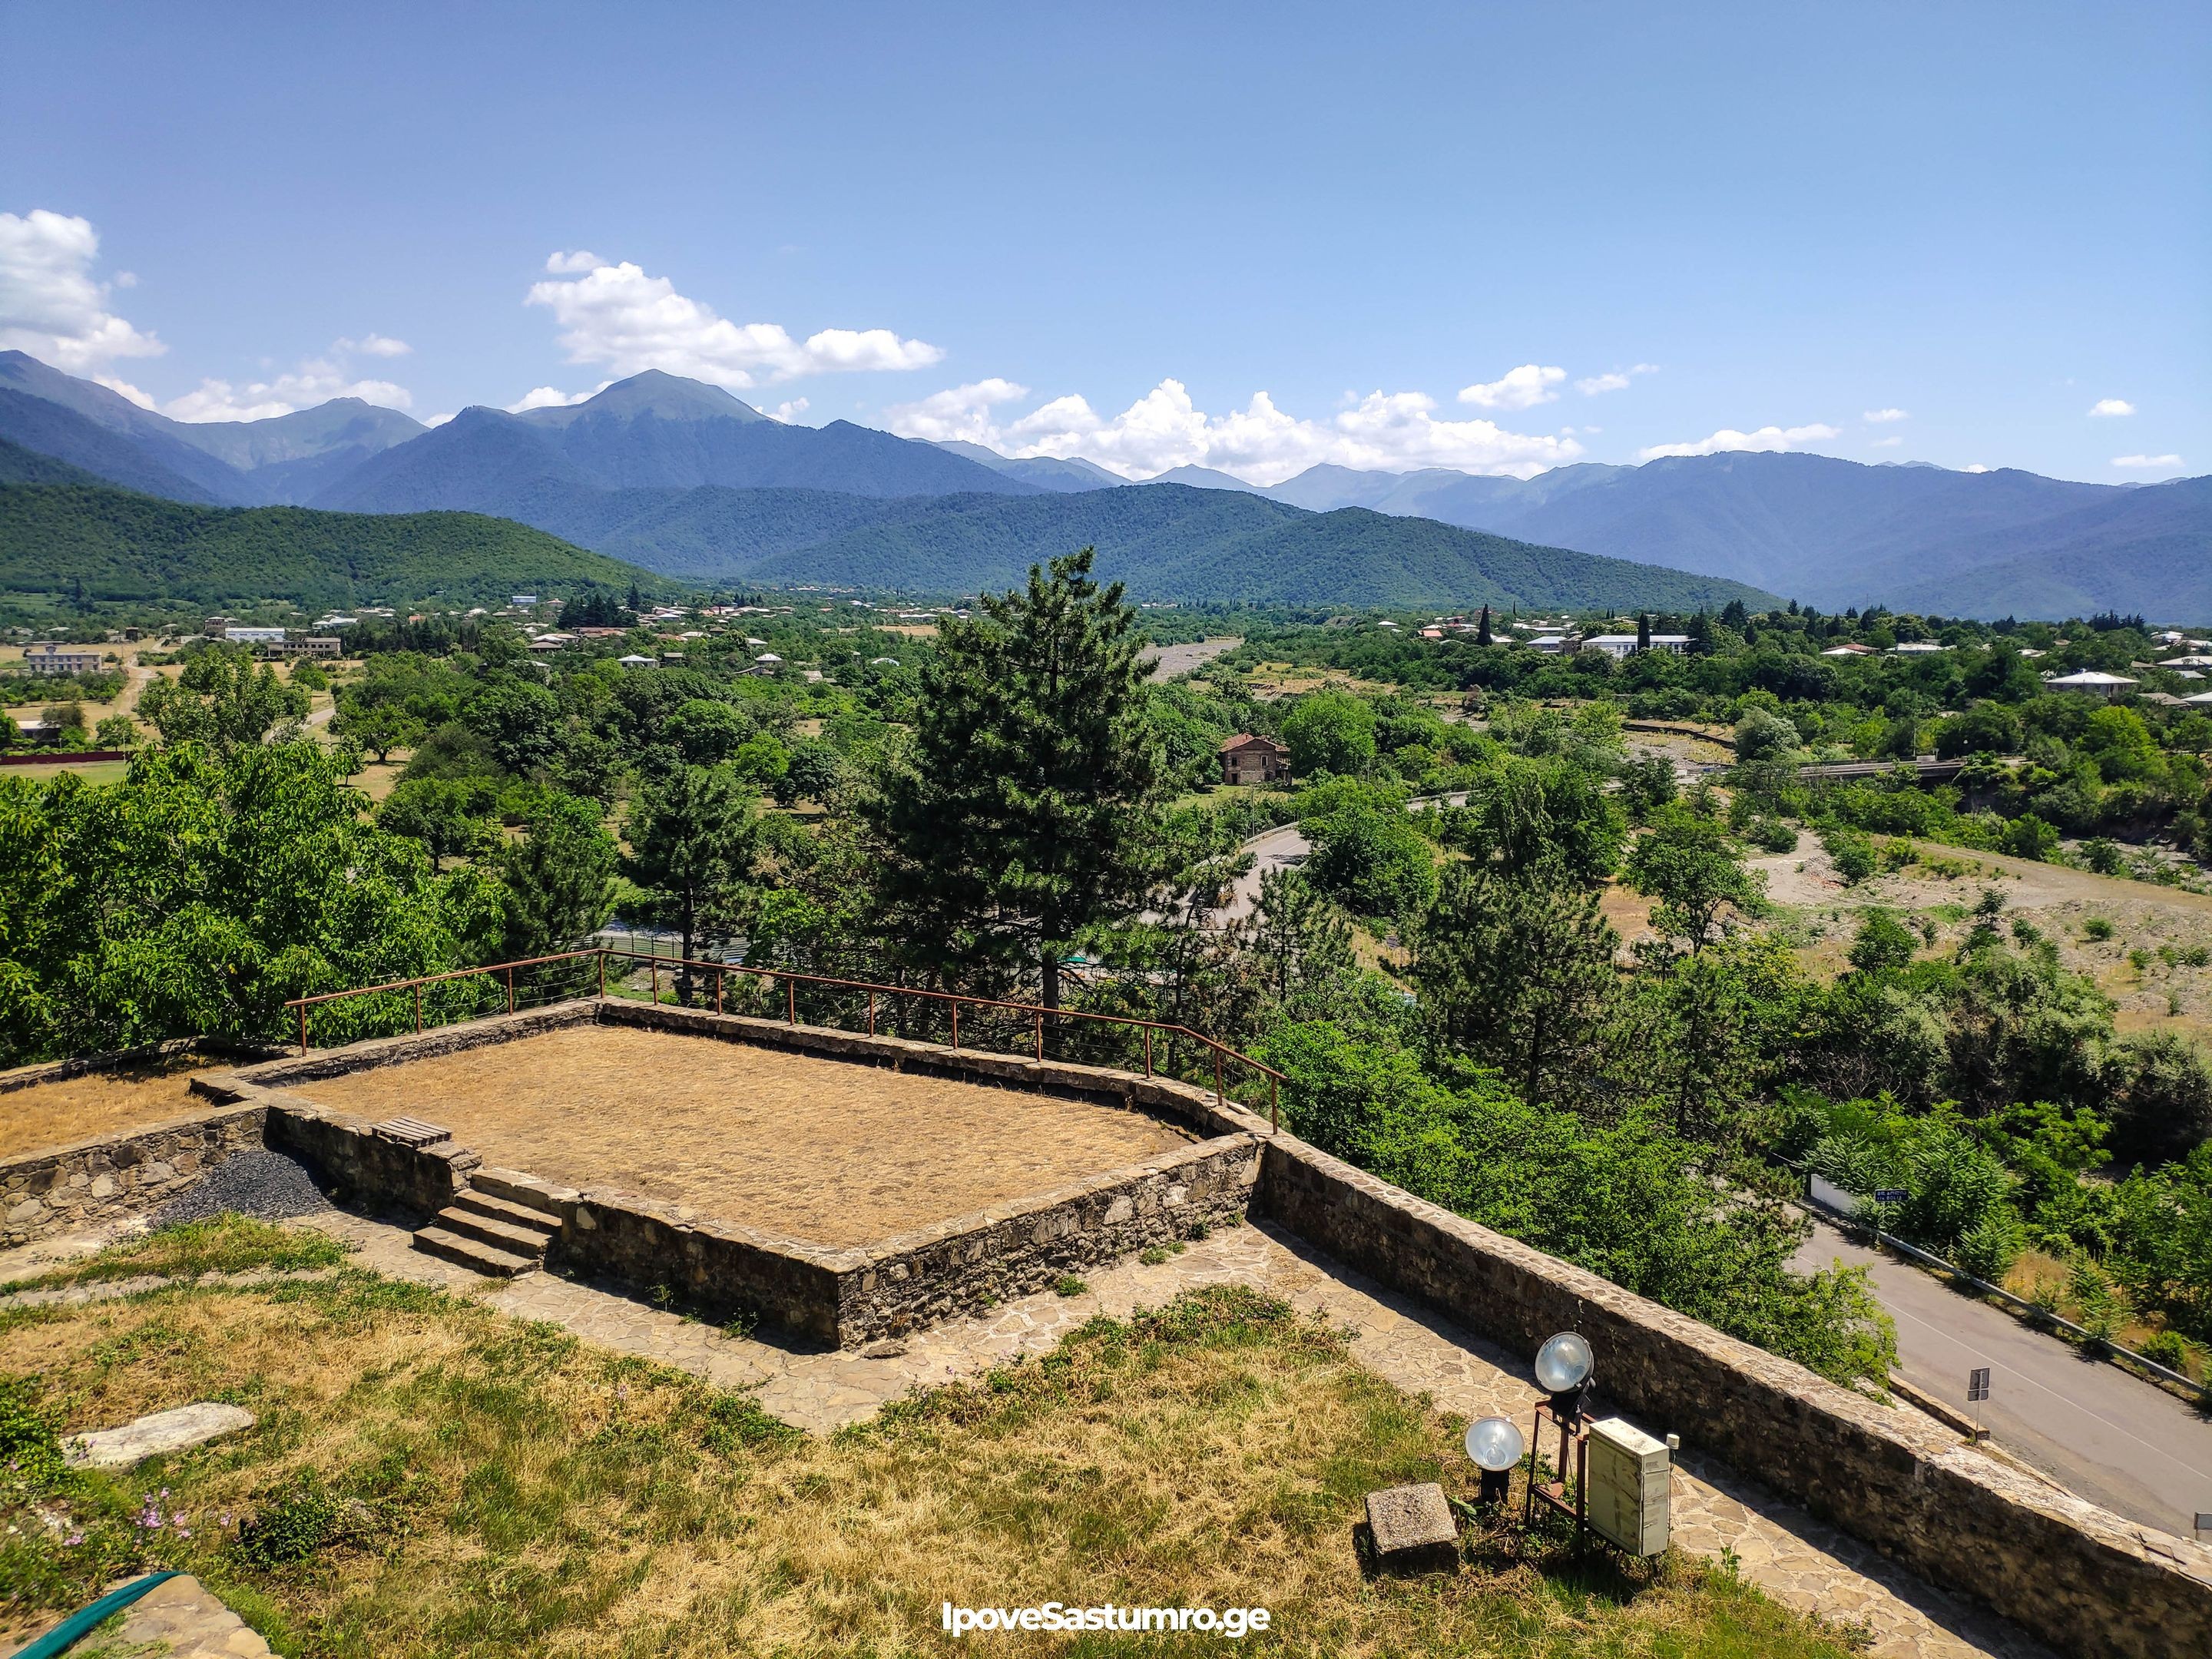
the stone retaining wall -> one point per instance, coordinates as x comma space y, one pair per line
349, 1160
967, 1264
2079, 1576
68, 1189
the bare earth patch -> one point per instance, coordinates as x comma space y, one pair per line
80, 1108
821, 1149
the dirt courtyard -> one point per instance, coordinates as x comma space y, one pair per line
822, 1150
45, 1115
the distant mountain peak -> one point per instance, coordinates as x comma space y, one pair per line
654, 393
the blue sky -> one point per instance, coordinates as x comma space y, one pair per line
1251, 237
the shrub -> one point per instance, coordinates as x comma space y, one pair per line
2166, 1348
293, 1526
1774, 836
1987, 1249
2097, 927
1853, 854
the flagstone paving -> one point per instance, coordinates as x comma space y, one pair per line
1717, 1513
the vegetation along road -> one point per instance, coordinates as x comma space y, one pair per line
2113, 1437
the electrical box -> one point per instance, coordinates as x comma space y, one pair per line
1631, 1478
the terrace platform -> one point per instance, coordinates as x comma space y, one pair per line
801, 1146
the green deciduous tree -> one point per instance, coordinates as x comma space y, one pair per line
1690, 864
200, 892
1026, 811
1330, 731
222, 699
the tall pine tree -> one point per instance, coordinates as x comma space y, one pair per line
1029, 808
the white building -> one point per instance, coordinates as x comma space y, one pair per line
254, 635
2094, 681
1617, 645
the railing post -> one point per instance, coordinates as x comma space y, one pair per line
955, 1022
418, 1010
303, 1028
602, 973
1216, 1074
656, 976
791, 1000
1148, 1051
718, 990
1274, 1106
1039, 1036
872, 1013
510, 989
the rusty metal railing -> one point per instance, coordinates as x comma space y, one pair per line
503, 976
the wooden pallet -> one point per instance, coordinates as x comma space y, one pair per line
412, 1132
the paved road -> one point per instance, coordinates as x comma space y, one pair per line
2118, 1442
1183, 659
1271, 849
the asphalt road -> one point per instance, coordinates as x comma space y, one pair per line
2118, 1442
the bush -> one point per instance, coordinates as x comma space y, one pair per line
293, 1526
2166, 1348
1852, 853
1987, 1249
2097, 927
1772, 835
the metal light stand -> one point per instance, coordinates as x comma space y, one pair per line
1564, 1411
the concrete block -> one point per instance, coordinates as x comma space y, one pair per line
1412, 1529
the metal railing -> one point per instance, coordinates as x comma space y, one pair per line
569, 975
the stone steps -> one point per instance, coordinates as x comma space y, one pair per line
490, 1233
489, 1260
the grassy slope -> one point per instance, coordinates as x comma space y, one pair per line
519, 1492
124, 545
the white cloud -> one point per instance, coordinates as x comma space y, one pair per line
547, 396
617, 315
317, 380
787, 411
1882, 416
438, 419
2148, 462
1887, 443
1517, 388
117, 384
1974, 466
1613, 380
1259, 443
50, 304
960, 412
2105, 407
1728, 440
374, 345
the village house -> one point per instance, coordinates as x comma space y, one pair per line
62, 658
1248, 759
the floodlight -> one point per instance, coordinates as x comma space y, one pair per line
1563, 1363
1495, 1444
1563, 1369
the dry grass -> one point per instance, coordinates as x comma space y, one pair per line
100, 1103
809, 1148
459, 1484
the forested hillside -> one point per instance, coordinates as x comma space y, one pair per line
124, 546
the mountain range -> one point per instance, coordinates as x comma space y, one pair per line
683, 478
1836, 532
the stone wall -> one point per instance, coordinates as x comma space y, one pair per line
68, 1189
348, 1159
967, 1264
373, 1052
2075, 1575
